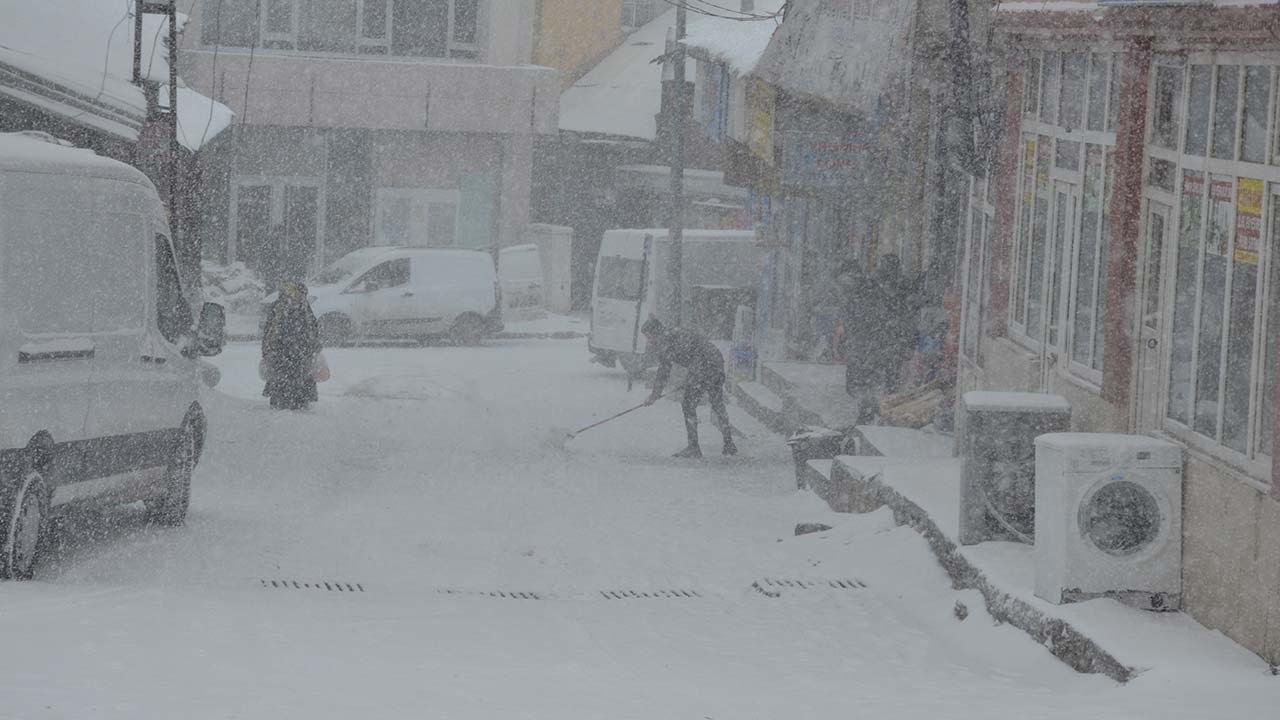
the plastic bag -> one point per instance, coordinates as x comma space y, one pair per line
319, 368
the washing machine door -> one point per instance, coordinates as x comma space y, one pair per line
1125, 514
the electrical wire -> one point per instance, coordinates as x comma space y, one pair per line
739, 17
213, 72
106, 61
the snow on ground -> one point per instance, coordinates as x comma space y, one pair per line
425, 470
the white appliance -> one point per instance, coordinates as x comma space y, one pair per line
1108, 519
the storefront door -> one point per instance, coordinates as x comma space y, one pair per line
1156, 229
277, 225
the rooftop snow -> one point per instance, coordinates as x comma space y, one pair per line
738, 44
622, 94
1047, 6
86, 46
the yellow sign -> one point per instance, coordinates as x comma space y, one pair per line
1248, 220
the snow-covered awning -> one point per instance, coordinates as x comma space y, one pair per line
738, 43
74, 58
826, 50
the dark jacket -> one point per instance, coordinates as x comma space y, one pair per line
290, 342
689, 350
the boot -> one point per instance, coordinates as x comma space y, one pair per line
693, 450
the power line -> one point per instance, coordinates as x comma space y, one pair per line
739, 16
213, 72
106, 61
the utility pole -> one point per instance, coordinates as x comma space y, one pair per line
676, 231
167, 9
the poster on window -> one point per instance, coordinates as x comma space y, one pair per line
1192, 199
1219, 215
1248, 220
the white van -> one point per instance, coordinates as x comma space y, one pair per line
390, 291
520, 275
98, 368
632, 281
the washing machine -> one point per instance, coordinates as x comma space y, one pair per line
1108, 519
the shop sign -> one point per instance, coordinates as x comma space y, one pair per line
1248, 220
761, 100
822, 160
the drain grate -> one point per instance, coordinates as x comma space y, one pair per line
636, 594
329, 586
774, 587
504, 594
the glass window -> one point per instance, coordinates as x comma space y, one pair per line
619, 278
1113, 93
1098, 70
1257, 101
1071, 110
1087, 258
1162, 174
1104, 252
328, 26
1271, 339
277, 16
1031, 88
1240, 326
1036, 253
1225, 112
390, 274
1167, 109
1049, 90
973, 283
1063, 223
1198, 110
1067, 155
1190, 229
173, 314
1213, 301
1027, 185
232, 23
373, 19
465, 21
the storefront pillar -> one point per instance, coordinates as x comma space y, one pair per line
1126, 212
1006, 194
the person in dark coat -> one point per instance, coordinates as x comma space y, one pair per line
705, 365
864, 334
290, 343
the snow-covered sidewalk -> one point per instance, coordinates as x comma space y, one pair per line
437, 479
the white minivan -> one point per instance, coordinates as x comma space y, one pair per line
98, 355
408, 292
633, 279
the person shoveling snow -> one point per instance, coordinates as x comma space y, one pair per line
706, 377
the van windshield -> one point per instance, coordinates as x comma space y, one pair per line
619, 278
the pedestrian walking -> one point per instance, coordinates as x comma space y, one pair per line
290, 344
705, 366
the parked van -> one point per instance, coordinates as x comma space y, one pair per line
520, 275
98, 356
720, 268
392, 291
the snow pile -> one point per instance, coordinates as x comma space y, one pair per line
86, 46
738, 44
235, 287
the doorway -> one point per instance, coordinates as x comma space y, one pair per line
277, 226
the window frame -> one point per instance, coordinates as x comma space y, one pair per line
1252, 463
266, 37
1066, 258
363, 41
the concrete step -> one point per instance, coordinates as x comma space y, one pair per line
762, 404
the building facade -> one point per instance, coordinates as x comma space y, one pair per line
1121, 251
573, 35
366, 122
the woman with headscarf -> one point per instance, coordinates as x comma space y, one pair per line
290, 343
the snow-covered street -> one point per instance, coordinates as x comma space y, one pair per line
435, 478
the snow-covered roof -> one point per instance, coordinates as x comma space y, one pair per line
41, 153
86, 47
739, 44
621, 95
1047, 6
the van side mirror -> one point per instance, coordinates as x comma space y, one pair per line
211, 331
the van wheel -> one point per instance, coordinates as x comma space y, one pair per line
467, 330
335, 330
24, 517
171, 507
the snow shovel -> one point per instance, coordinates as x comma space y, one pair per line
576, 433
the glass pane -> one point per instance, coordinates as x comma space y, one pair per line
1049, 92
1067, 155
1162, 174
1098, 68
1039, 237
442, 221
1113, 101
1213, 290
1086, 257
253, 222
1031, 88
1272, 337
1155, 248
464, 21
1104, 252
1167, 107
373, 19
1071, 110
1224, 112
973, 306
1027, 183
1198, 110
1190, 227
1257, 99
420, 28
278, 16
1064, 220
1244, 288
